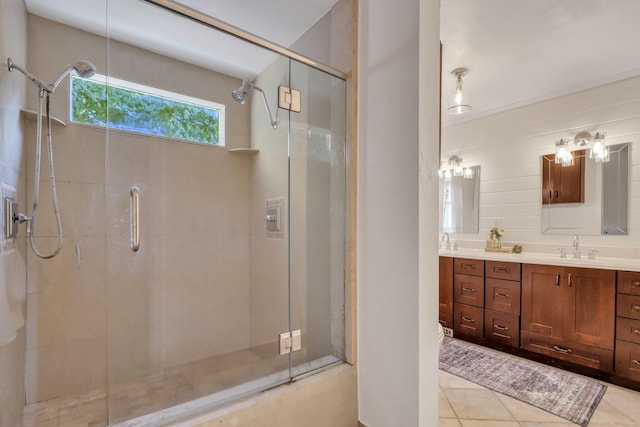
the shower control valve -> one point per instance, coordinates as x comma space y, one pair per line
271, 218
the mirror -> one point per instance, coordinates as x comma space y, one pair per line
600, 208
459, 203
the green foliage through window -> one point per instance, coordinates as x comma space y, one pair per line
96, 103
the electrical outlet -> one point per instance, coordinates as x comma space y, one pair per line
448, 332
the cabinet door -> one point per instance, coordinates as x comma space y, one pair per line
590, 306
542, 306
446, 292
563, 184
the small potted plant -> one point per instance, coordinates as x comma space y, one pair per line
496, 235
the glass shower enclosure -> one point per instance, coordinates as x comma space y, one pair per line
216, 253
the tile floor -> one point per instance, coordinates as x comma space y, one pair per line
466, 404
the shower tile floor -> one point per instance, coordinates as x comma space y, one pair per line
154, 392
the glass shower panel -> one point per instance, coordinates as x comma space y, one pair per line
196, 311
317, 180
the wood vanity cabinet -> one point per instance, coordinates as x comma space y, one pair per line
569, 313
502, 303
446, 292
627, 355
468, 299
563, 184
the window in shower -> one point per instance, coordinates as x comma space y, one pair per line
137, 108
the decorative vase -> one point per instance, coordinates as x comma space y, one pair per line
494, 243
498, 243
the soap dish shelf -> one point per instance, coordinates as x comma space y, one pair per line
32, 116
244, 150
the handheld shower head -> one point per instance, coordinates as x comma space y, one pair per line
240, 95
85, 69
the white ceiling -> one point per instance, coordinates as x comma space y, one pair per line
517, 51
523, 51
141, 24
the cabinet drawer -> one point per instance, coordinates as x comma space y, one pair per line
502, 295
468, 290
628, 330
503, 270
473, 267
502, 328
628, 360
579, 354
629, 282
628, 306
468, 321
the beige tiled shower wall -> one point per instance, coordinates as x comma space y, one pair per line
13, 43
185, 294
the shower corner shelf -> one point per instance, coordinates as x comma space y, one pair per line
32, 115
244, 150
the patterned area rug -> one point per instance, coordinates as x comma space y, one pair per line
566, 395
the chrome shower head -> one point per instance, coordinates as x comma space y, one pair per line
240, 94
85, 69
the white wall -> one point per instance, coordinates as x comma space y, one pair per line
508, 147
397, 383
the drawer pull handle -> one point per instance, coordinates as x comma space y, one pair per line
569, 279
558, 280
636, 308
471, 266
501, 328
501, 270
635, 284
469, 289
562, 350
468, 319
499, 295
634, 361
635, 331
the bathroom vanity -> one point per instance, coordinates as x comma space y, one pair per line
582, 315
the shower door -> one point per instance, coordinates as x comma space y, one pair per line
317, 197
195, 311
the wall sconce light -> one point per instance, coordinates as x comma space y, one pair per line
563, 154
459, 107
453, 167
599, 150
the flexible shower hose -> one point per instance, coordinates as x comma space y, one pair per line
36, 191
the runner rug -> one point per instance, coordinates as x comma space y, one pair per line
561, 393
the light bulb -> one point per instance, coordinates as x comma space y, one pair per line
458, 170
447, 174
458, 97
468, 173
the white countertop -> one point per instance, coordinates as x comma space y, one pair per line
628, 264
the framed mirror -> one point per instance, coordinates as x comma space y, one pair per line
459, 203
596, 195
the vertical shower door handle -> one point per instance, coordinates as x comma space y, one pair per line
134, 222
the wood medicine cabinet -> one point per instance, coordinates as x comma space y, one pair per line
563, 184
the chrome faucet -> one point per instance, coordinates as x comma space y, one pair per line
576, 247
448, 245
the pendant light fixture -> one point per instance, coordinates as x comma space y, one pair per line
459, 107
